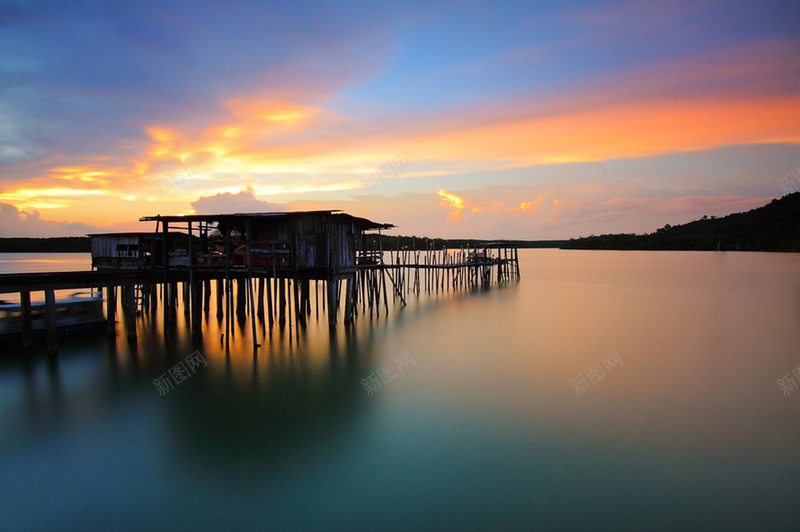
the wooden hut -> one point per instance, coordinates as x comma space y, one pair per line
137, 251
311, 244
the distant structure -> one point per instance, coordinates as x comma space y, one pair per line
281, 253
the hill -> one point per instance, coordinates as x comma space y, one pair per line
773, 227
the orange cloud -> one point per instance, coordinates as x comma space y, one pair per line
268, 135
527, 207
456, 203
278, 146
629, 130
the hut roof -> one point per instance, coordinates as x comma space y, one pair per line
264, 216
141, 234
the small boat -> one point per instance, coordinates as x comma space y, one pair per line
80, 312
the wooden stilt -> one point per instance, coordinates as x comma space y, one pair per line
282, 302
269, 301
186, 303
261, 298
289, 304
249, 237
220, 288
166, 300
51, 322
130, 312
207, 295
27, 321
349, 303
240, 299
332, 303
197, 307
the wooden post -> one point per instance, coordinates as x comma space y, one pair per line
273, 281
269, 302
261, 299
348, 299
197, 307
220, 288
27, 321
282, 302
332, 302
50, 321
186, 306
164, 254
240, 300
190, 291
166, 303
111, 307
289, 303
130, 312
206, 295
248, 237
299, 302
307, 289
228, 312
228, 304
153, 298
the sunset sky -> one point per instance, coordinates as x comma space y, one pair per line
462, 119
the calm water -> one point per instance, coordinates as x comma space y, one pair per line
689, 430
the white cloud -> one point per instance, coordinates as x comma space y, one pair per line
17, 223
244, 201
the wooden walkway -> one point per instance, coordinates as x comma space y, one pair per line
282, 295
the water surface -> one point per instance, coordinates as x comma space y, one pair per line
483, 432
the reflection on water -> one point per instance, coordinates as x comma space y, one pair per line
45, 262
691, 431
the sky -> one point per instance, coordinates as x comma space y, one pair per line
519, 120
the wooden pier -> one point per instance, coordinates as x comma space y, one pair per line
262, 265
